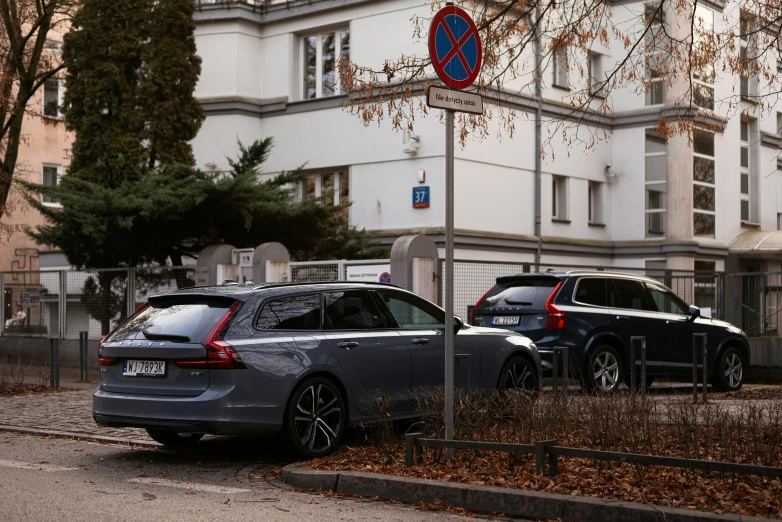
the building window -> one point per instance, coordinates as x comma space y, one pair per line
703, 75
749, 83
745, 171
596, 203
596, 74
703, 183
559, 198
779, 55
656, 177
559, 61
51, 178
779, 124
655, 55
779, 221
52, 98
322, 54
333, 187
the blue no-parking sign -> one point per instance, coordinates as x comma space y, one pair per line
455, 47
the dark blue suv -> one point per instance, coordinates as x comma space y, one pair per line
594, 314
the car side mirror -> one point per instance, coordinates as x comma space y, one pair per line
694, 312
458, 323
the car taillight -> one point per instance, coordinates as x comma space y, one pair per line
219, 354
472, 314
556, 316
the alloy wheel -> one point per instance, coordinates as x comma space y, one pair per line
318, 417
733, 369
606, 371
519, 377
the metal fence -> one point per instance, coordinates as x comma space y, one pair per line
473, 278
338, 270
63, 303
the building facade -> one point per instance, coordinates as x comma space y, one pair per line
631, 200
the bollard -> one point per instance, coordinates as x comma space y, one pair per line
555, 351
54, 363
704, 347
637, 347
83, 357
413, 452
698, 353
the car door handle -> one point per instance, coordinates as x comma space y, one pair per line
622, 318
348, 344
420, 341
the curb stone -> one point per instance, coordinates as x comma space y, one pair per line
79, 436
489, 499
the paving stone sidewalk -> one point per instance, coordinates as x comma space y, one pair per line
64, 411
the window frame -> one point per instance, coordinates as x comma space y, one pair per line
595, 203
595, 83
661, 288
59, 169
664, 210
319, 34
712, 186
636, 281
266, 300
578, 283
560, 77
559, 198
698, 82
378, 295
655, 81
60, 94
373, 300
745, 171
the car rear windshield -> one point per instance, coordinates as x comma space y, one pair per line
525, 292
180, 321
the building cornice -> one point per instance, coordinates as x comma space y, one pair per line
771, 140
526, 244
266, 13
646, 117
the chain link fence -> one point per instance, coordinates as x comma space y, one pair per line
65, 302
367, 270
473, 278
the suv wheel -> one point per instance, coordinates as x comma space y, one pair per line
604, 371
518, 374
729, 372
315, 417
172, 438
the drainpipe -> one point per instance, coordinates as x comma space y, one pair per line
538, 130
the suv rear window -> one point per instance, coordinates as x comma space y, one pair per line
527, 292
188, 319
591, 291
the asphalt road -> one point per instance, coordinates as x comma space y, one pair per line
54, 480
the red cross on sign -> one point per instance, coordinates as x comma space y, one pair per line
455, 47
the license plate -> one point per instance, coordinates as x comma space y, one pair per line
506, 320
144, 368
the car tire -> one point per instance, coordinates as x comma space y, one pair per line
518, 373
603, 371
729, 371
649, 382
174, 439
315, 417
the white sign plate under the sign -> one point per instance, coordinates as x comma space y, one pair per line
460, 101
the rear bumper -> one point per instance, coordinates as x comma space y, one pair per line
231, 408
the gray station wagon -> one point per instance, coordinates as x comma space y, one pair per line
306, 359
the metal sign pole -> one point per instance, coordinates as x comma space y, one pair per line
449, 322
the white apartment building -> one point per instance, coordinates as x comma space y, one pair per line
631, 201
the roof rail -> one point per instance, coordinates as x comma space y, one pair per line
607, 272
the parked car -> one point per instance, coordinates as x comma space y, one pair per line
594, 315
303, 358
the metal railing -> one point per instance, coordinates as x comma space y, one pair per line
548, 450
